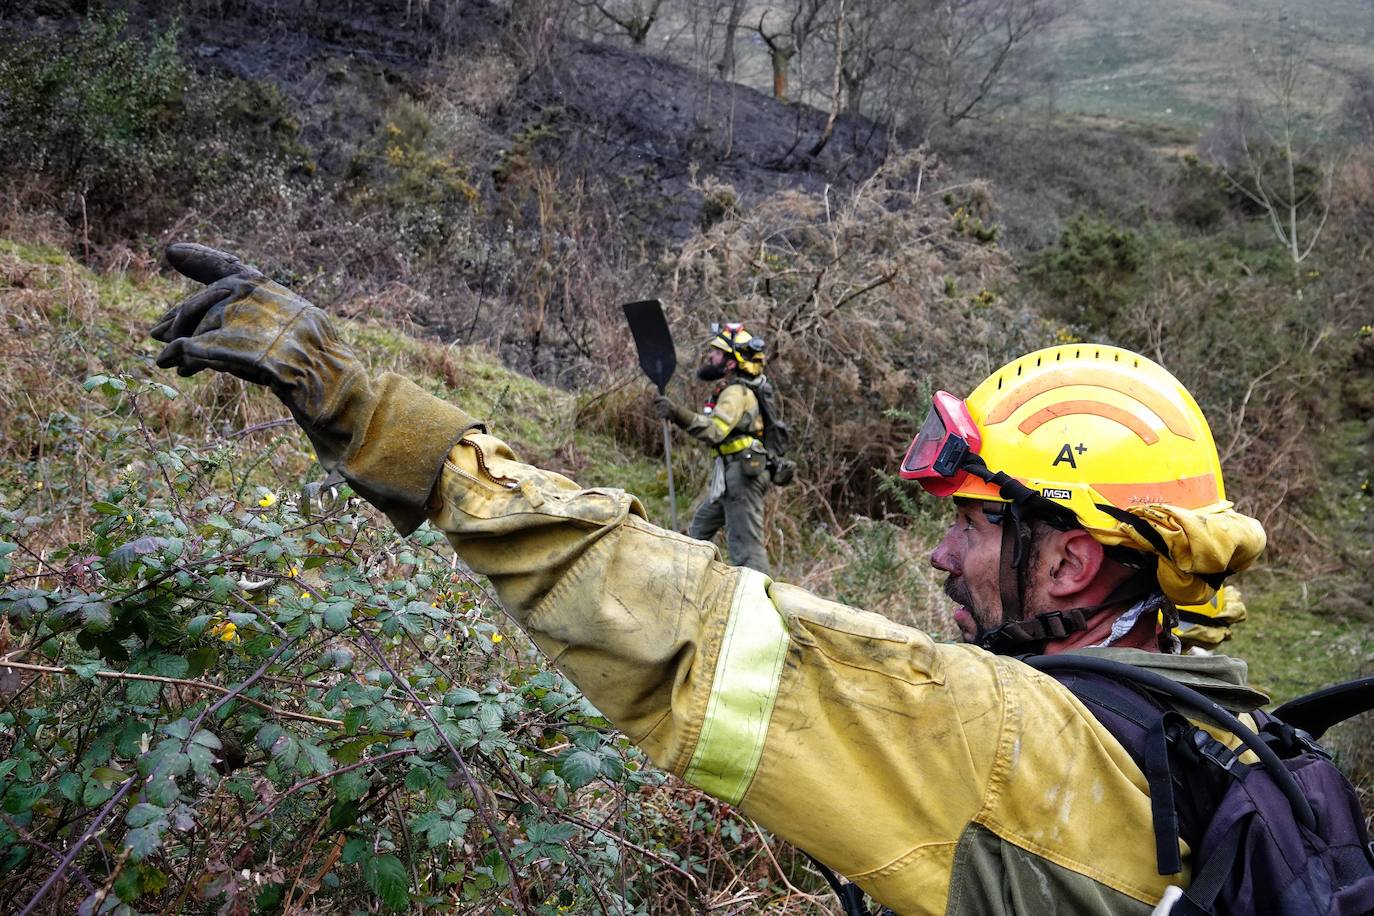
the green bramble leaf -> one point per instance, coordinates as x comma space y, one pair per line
353, 720
336, 618
578, 766
143, 814
387, 878
461, 696
144, 841
121, 561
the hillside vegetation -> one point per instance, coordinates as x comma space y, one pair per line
228, 695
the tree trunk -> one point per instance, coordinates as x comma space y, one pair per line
726, 65
781, 58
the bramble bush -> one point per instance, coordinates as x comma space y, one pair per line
218, 696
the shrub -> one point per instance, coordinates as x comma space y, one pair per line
864, 299
129, 134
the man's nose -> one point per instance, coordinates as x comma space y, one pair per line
945, 557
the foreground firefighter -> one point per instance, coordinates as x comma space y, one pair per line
939, 778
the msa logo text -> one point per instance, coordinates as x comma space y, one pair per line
1053, 493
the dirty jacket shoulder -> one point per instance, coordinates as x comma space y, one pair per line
736, 412
939, 777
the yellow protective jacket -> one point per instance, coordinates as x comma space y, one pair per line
735, 415
941, 778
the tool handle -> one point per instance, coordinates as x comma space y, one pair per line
668, 458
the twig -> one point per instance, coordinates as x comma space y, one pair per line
91, 830
258, 427
322, 777
148, 440
792, 888
159, 679
30, 838
516, 896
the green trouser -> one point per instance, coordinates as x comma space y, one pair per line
740, 510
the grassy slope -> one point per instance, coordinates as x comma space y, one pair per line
60, 323
1179, 59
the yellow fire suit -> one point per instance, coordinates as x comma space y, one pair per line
941, 778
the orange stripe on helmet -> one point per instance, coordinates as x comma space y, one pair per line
1147, 395
1186, 493
1097, 408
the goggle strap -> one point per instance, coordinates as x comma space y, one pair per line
1018, 494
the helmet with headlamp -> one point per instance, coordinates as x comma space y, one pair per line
747, 350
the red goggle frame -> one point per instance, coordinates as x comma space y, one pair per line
937, 456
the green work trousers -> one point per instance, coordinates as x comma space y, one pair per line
740, 510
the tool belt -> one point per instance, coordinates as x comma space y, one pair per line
732, 448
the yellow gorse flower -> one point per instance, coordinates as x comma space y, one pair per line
269, 499
225, 631
496, 637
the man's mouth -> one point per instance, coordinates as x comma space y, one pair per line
958, 592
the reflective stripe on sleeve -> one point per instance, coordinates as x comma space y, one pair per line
722, 426
745, 686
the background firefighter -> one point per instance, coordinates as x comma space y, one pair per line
731, 424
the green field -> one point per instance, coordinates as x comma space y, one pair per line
1188, 59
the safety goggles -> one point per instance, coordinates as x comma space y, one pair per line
939, 455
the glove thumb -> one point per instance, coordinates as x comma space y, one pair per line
208, 265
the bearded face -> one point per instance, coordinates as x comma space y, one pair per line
714, 365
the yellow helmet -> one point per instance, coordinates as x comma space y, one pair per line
743, 347
1100, 437
1095, 428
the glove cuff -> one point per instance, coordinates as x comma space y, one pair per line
682, 416
390, 438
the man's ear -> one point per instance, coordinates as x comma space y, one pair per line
1072, 566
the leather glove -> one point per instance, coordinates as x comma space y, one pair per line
386, 437
666, 409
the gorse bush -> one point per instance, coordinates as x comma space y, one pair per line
219, 696
129, 133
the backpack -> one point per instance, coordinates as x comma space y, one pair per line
1282, 836
776, 438
1247, 824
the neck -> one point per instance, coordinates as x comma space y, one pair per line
1144, 635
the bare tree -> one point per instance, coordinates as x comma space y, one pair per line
835, 82
976, 45
1273, 153
935, 61
785, 42
726, 65
635, 18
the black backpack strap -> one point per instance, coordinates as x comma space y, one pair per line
1157, 726
1190, 700
1200, 897
1318, 711
851, 896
